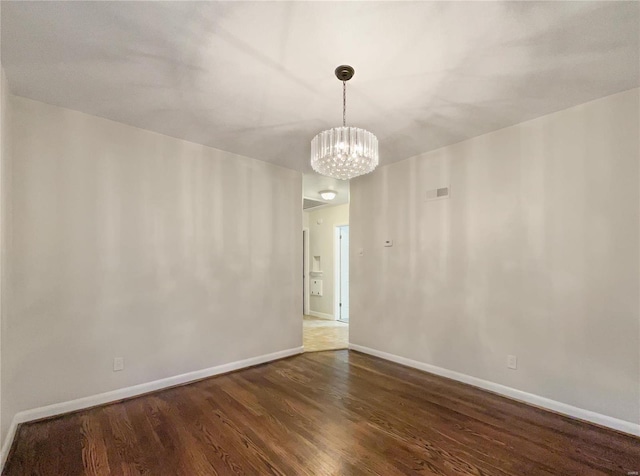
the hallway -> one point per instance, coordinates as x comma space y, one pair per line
324, 334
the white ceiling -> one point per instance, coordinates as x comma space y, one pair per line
256, 78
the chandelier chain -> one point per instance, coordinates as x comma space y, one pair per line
344, 104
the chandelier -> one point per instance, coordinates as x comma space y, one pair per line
344, 152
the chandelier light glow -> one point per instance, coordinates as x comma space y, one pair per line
344, 152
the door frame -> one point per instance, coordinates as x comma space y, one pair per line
305, 271
336, 268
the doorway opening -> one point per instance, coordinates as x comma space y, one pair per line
305, 271
325, 270
341, 280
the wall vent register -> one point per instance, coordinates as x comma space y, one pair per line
438, 194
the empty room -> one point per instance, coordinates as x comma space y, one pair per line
320, 238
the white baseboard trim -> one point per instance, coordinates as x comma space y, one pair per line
128, 392
8, 441
321, 315
543, 402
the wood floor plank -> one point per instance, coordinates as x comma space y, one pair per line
94, 447
517, 420
126, 447
321, 413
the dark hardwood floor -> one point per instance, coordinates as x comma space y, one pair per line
335, 412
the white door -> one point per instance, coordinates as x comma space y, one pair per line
343, 304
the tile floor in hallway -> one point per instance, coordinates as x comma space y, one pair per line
324, 334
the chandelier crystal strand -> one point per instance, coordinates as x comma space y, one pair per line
344, 152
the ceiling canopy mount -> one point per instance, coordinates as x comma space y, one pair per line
345, 72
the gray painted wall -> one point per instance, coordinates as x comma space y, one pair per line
127, 243
535, 255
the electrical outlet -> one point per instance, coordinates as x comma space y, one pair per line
118, 364
512, 362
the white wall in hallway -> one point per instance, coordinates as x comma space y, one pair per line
322, 223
